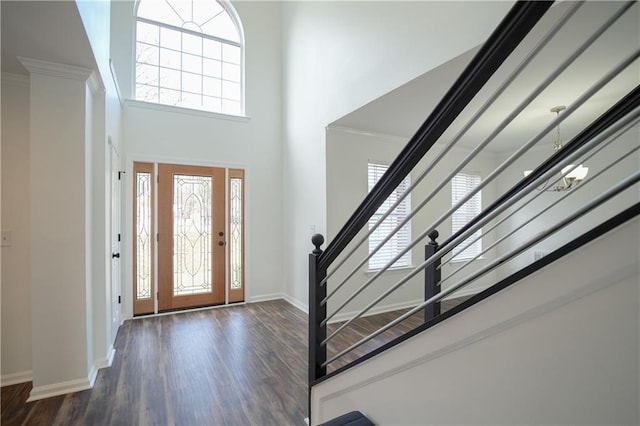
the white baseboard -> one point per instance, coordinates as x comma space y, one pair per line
15, 378
344, 316
110, 356
106, 361
47, 391
92, 376
304, 308
266, 297
276, 296
71, 386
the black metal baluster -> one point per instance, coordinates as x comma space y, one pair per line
431, 278
317, 313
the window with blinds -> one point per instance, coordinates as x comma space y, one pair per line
400, 239
461, 185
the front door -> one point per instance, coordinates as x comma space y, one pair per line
191, 236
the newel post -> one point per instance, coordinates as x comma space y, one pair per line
431, 277
317, 313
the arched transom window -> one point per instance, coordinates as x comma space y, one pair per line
189, 54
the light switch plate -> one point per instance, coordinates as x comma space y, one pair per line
6, 238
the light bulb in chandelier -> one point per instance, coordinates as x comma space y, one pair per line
572, 175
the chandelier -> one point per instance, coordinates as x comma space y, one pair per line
572, 175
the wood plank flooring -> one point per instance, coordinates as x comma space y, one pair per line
238, 365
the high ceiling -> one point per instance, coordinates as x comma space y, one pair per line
401, 111
45, 30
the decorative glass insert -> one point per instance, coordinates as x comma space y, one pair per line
189, 54
143, 235
400, 240
236, 233
192, 236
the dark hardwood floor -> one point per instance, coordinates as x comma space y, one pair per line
238, 365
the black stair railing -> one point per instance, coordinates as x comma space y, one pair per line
607, 133
513, 28
509, 33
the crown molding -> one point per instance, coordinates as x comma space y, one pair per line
95, 83
36, 66
19, 80
370, 133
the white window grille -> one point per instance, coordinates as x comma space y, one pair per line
461, 185
189, 53
400, 239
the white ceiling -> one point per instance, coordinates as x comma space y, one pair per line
53, 31
401, 111
45, 30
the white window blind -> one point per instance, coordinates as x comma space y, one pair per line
401, 238
461, 185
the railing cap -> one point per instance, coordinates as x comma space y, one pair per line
432, 236
317, 240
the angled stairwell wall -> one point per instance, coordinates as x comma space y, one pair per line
559, 347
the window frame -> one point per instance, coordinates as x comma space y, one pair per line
233, 16
379, 260
474, 204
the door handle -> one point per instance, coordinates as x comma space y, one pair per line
221, 243
115, 255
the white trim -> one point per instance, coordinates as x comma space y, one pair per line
15, 378
280, 296
231, 12
95, 84
539, 293
62, 388
92, 375
295, 303
476, 336
131, 158
115, 148
106, 361
15, 79
36, 66
185, 311
185, 110
110, 356
265, 297
115, 81
352, 131
377, 310
227, 226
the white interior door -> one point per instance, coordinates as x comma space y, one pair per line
116, 237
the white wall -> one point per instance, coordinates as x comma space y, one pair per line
593, 186
168, 134
105, 121
59, 255
16, 280
535, 353
337, 57
348, 152
56, 137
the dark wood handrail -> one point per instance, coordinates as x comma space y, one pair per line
522, 17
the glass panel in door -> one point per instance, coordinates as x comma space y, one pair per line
191, 242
